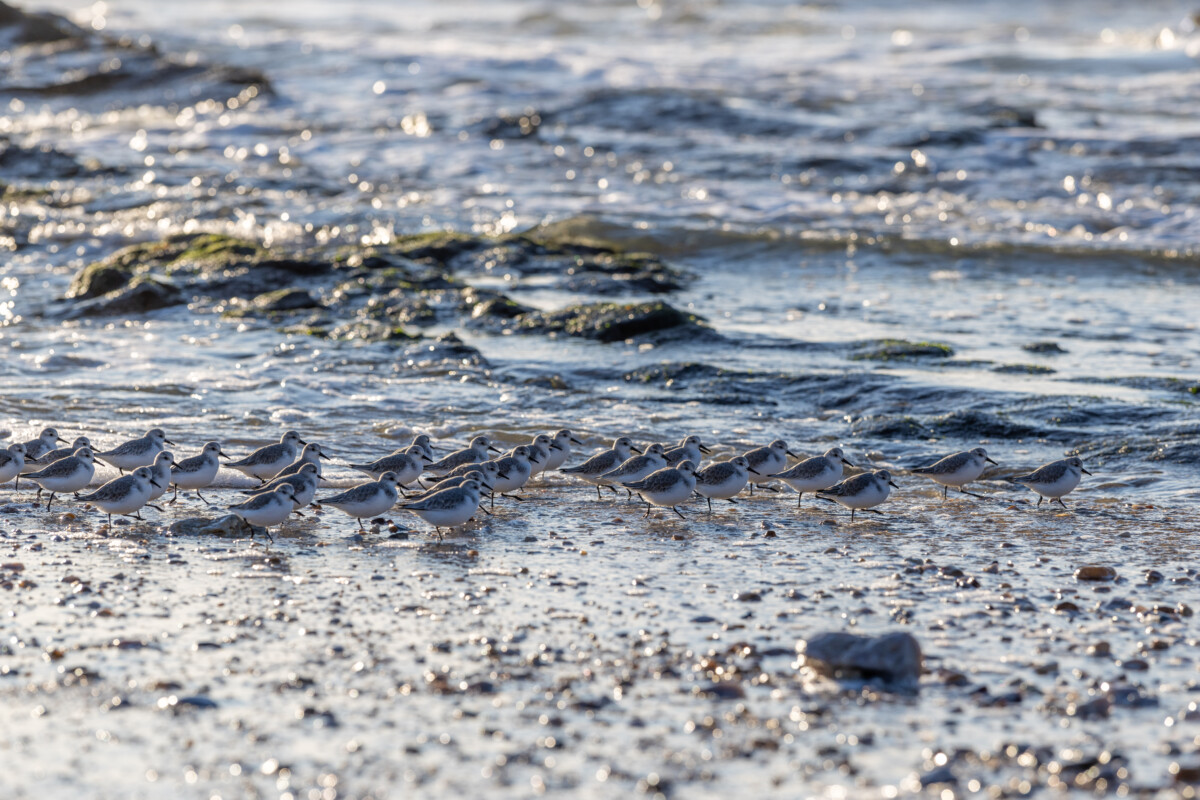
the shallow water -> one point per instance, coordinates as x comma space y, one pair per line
985, 177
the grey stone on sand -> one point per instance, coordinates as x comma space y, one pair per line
894, 657
227, 525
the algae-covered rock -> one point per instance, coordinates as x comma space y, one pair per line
168, 255
901, 349
612, 322
284, 300
142, 295
228, 525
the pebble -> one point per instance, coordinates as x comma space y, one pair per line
1095, 572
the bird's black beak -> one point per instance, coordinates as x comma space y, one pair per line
156, 483
223, 454
492, 448
174, 464
756, 472
301, 441
705, 450
60, 439
892, 484
555, 447
573, 439
634, 449
1084, 471
322, 455
991, 461
504, 475
790, 453
168, 441
848, 464
487, 486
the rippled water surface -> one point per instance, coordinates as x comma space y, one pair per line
906, 231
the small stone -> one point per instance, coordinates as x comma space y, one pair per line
1095, 572
1099, 649
894, 657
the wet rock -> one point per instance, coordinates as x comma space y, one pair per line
1043, 347
283, 300
143, 295
893, 657
1095, 572
228, 525
614, 322
20, 27
1023, 369
900, 349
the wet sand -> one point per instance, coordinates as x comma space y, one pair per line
569, 645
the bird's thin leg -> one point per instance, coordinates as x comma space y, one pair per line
51, 500
202, 497
1040, 499
944, 490
1060, 502
752, 490
972, 494
175, 497
852, 515
156, 508
514, 497
614, 489
361, 527
799, 497
709, 499
484, 510
677, 511
137, 514
647, 511
598, 495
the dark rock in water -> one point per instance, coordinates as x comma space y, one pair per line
894, 657
284, 300
983, 425
143, 295
1023, 369
613, 322
499, 308
1043, 347
445, 352
901, 349
19, 27
41, 163
97, 279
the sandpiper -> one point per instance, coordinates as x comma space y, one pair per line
957, 470
124, 495
268, 508
862, 492
197, 472
448, 508
560, 449
367, 499
1054, 480
769, 459
265, 462
136, 452
814, 474
667, 487
474, 453
723, 480
68, 474
594, 469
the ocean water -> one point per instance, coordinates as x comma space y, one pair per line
1012, 182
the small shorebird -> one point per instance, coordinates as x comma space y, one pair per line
124, 495
560, 449
311, 454
635, 468
814, 474
136, 452
12, 461
689, 448
594, 469
769, 459
268, 508
1054, 480
266, 462
367, 499
408, 466
723, 480
197, 472
36, 448
475, 452
303, 483
957, 470
667, 487
68, 474
448, 508
861, 492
